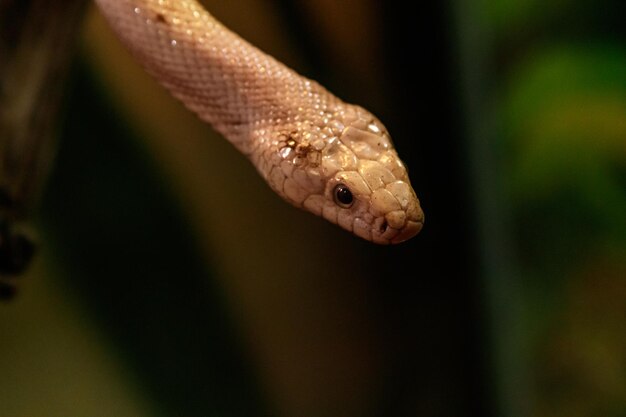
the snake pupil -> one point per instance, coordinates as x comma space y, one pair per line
343, 195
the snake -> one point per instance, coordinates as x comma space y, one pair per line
319, 153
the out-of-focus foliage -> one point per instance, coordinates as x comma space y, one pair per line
561, 146
580, 358
564, 131
514, 15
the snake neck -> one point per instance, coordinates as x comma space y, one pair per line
241, 91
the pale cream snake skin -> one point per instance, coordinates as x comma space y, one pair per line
317, 152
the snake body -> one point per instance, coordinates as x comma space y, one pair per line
317, 152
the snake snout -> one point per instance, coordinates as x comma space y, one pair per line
408, 231
399, 225
414, 221
403, 216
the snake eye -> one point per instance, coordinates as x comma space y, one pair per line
343, 196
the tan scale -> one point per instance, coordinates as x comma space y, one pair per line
305, 142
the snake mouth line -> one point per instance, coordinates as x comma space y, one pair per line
385, 234
408, 231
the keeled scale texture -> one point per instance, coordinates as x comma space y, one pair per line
302, 139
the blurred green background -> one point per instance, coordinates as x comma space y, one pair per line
170, 281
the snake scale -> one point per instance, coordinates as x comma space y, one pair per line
319, 153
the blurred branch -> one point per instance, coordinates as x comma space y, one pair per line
36, 46
502, 283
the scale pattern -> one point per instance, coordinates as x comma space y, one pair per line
307, 144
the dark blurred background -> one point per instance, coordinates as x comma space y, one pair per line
171, 281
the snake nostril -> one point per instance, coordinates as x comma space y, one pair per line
382, 227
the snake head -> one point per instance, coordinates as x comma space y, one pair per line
371, 194
352, 176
